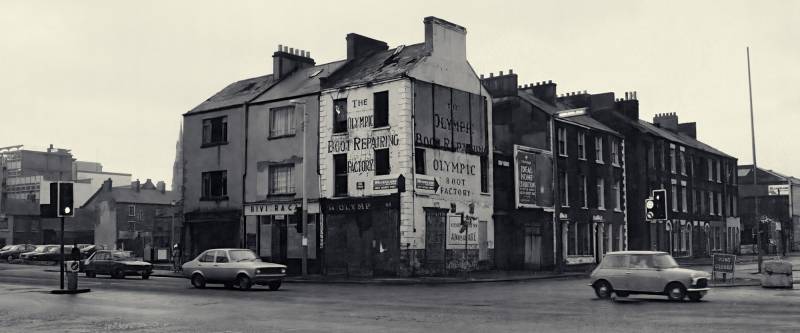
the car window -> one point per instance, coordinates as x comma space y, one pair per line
207, 257
242, 255
615, 261
221, 256
665, 261
101, 256
642, 261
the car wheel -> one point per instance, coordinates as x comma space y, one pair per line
145, 276
198, 281
243, 281
676, 291
90, 274
274, 285
118, 273
695, 296
8, 259
603, 289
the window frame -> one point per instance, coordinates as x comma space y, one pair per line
272, 173
419, 161
379, 161
562, 141
582, 145
375, 110
340, 177
291, 129
600, 185
338, 125
131, 210
208, 130
207, 185
598, 149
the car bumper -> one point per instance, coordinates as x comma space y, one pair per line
702, 290
266, 278
138, 270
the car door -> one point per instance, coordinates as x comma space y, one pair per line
644, 276
614, 269
205, 264
102, 262
223, 267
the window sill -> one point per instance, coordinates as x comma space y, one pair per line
601, 208
582, 158
278, 195
616, 164
213, 144
275, 137
562, 155
223, 198
386, 127
343, 133
599, 162
617, 210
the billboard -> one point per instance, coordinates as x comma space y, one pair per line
533, 177
449, 119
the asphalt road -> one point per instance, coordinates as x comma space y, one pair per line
172, 305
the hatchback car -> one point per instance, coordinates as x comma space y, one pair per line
118, 264
233, 267
647, 272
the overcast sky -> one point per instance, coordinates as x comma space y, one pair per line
110, 79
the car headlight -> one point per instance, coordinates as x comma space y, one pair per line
283, 270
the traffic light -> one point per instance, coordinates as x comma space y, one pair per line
298, 218
656, 206
65, 200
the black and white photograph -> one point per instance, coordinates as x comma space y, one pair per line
407, 166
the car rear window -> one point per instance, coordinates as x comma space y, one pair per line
614, 261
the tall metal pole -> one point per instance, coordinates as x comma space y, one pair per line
755, 165
61, 264
305, 195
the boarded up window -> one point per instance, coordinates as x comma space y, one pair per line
381, 108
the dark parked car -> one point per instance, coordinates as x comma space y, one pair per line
52, 253
40, 249
118, 264
11, 252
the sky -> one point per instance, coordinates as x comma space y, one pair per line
110, 80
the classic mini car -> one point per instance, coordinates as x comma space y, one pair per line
647, 272
39, 250
11, 252
118, 264
239, 268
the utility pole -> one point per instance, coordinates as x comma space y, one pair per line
755, 165
304, 263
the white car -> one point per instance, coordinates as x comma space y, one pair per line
233, 267
647, 272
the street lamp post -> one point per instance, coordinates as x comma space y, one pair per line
304, 262
755, 166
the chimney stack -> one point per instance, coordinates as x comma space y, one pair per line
107, 185
161, 186
444, 39
286, 60
136, 185
689, 129
545, 90
667, 121
502, 85
359, 46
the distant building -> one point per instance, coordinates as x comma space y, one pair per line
25, 169
778, 198
700, 180
136, 217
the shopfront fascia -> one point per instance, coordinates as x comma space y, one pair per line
272, 231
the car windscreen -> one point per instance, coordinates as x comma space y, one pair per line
665, 261
123, 256
242, 255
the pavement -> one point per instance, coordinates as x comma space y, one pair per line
550, 305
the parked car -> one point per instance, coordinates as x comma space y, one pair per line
37, 251
647, 272
87, 250
118, 264
11, 252
239, 268
52, 253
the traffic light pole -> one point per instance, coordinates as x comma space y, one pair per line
62, 254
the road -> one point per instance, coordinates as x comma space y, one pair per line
172, 305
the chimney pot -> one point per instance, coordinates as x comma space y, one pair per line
291, 50
491, 74
510, 71
280, 47
501, 73
549, 81
481, 76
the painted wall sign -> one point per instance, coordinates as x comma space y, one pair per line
533, 177
278, 209
782, 189
449, 119
356, 205
458, 175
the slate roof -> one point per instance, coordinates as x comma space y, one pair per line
544, 106
378, 66
590, 122
126, 194
300, 82
236, 93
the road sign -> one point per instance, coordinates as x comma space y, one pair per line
427, 184
73, 266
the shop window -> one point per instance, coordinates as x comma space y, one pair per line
582, 145
382, 162
340, 115
580, 239
215, 130
340, 174
381, 109
215, 185
281, 121
281, 179
419, 161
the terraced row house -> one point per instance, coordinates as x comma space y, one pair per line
412, 164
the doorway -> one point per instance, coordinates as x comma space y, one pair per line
533, 247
